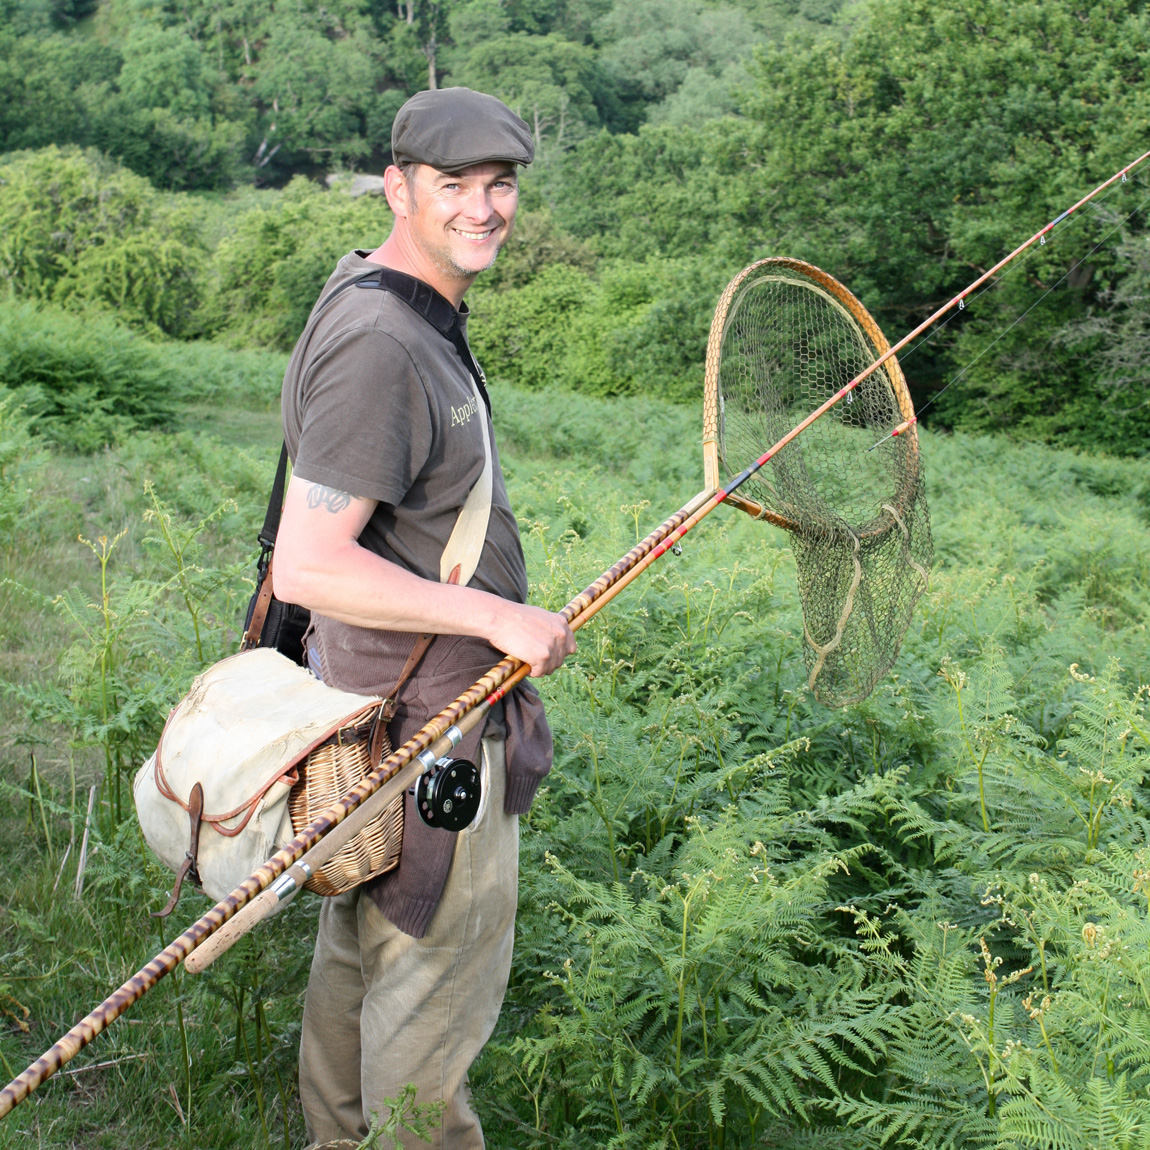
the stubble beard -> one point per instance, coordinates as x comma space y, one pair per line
447, 265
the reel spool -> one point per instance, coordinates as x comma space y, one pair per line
448, 796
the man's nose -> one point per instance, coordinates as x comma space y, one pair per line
478, 204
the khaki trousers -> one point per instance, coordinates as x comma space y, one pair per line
384, 1009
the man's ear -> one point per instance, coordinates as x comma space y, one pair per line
396, 189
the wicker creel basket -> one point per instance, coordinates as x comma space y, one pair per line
326, 775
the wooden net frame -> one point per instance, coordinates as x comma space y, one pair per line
859, 571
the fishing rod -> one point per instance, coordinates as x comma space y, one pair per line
959, 300
418, 754
1015, 270
446, 729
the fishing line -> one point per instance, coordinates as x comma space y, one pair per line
999, 281
1006, 331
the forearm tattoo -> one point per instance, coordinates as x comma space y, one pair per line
320, 496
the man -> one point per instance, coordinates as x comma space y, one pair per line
385, 417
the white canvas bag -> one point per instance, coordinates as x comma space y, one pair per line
241, 732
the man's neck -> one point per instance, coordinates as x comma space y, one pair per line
399, 253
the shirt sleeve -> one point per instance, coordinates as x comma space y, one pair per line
366, 424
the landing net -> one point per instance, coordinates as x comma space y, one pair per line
786, 338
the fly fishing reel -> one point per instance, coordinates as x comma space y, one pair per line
448, 795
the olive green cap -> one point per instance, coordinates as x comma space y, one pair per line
453, 128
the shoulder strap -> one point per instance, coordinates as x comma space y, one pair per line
267, 541
461, 556
267, 535
425, 301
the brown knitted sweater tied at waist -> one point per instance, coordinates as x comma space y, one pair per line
370, 662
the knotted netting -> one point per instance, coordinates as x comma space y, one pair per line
785, 339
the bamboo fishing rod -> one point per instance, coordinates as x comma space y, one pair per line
960, 299
446, 729
433, 740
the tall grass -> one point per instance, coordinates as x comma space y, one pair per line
744, 919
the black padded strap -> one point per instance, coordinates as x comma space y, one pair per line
267, 535
424, 300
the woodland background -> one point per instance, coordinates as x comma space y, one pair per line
744, 919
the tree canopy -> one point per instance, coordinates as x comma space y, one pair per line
902, 145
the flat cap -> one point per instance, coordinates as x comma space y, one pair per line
452, 128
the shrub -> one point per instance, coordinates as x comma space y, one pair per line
636, 329
87, 381
79, 230
276, 260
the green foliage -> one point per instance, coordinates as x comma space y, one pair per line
655, 48
20, 457
78, 230
87, 382
743, 918
113, 682
632, 329
551, 82
899, 144
536, 243
403, 1114
968, 132
39, 74
311, 76
274, 262
669, 194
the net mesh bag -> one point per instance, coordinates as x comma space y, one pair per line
786, 338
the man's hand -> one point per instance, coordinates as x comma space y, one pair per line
539, 638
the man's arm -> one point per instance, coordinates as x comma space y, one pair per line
320, 565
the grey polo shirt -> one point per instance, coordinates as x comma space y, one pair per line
380, 404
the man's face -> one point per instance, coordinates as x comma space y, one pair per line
460, 220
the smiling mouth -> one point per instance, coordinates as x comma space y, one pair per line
475, 235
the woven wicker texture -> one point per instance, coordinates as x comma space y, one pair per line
329, 773
791, 337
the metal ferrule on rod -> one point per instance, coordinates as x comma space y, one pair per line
286, 887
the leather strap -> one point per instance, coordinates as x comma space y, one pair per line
263, 603
188, 866
418, 650
464, 547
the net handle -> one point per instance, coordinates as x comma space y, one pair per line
712, 474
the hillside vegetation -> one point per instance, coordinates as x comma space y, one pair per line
162, 162
745, 919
